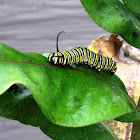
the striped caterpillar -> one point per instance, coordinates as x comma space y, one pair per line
84, 56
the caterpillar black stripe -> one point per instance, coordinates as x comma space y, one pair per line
81, 55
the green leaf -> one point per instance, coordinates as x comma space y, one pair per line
133, 6
66, 96
134, 116
114, 17
18, 103
100, 131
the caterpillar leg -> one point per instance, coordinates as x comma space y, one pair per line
73, 66
111, 73
98, 70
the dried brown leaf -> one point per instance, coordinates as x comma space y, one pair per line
127, 71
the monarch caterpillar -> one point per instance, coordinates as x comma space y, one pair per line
81, 55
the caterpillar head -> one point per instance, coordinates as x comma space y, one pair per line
55, 58
50, 57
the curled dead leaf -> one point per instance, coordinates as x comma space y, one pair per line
109, 48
